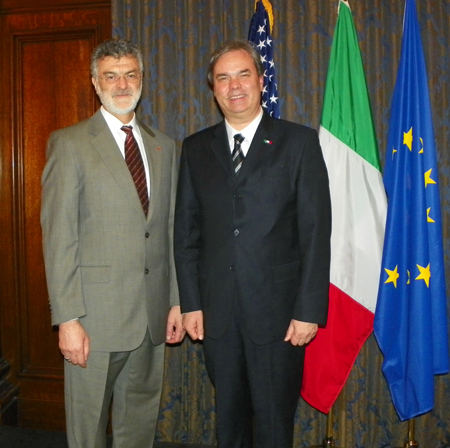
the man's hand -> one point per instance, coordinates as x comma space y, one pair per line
193, 324
74, 342
300, 333
175, 331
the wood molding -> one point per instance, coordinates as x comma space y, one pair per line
24, 6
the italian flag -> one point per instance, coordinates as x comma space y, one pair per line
358, 198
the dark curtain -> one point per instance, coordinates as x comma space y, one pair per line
177, 37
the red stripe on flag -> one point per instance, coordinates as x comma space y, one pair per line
330, 356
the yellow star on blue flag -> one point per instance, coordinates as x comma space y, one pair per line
392, 276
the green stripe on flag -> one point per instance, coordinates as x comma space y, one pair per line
346, 109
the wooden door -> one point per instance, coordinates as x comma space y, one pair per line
45, 51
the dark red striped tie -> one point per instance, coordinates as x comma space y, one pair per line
135, 164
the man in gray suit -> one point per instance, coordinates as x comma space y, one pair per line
107, 218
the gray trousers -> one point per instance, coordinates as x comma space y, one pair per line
133, 380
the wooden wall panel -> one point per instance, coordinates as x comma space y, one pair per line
48, 56
62, 96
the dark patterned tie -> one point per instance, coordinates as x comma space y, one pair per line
237, 155
135, 164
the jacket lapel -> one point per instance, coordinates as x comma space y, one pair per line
154, 158
221, 149
262, 145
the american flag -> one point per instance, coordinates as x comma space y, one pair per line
260, 35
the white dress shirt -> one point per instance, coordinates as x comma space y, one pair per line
248, 133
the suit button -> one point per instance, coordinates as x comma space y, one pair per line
146, 271
147, 235
236, 232
237, 196
232, 268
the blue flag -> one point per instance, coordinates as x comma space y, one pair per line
411, 317
260, 35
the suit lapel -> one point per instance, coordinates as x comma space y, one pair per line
221, 149
154, 158
105, 144
262, 145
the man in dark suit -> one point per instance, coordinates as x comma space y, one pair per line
252, 251
108, 202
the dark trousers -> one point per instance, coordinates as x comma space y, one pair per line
257, 389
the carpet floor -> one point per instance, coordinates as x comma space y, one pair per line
14, 437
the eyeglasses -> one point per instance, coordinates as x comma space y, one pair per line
113, 79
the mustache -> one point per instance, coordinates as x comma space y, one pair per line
122, 92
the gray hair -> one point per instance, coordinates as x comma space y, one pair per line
235, 45
116, 48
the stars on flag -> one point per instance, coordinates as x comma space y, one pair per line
424, 272
260, 35
408, 139
428, 179
261, 45
393, 275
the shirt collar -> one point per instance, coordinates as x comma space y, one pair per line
248, 132
114, 123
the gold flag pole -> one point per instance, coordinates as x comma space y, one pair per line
328, 440
411, 443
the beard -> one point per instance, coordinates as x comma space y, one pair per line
107, 99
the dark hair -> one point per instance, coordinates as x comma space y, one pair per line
116, 48
235, 45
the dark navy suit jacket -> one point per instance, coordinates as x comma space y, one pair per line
259, 240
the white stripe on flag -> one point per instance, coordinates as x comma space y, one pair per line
359, 213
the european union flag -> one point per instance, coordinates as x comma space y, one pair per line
411, 318
260, 34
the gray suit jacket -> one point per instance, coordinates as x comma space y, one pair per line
106, 263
